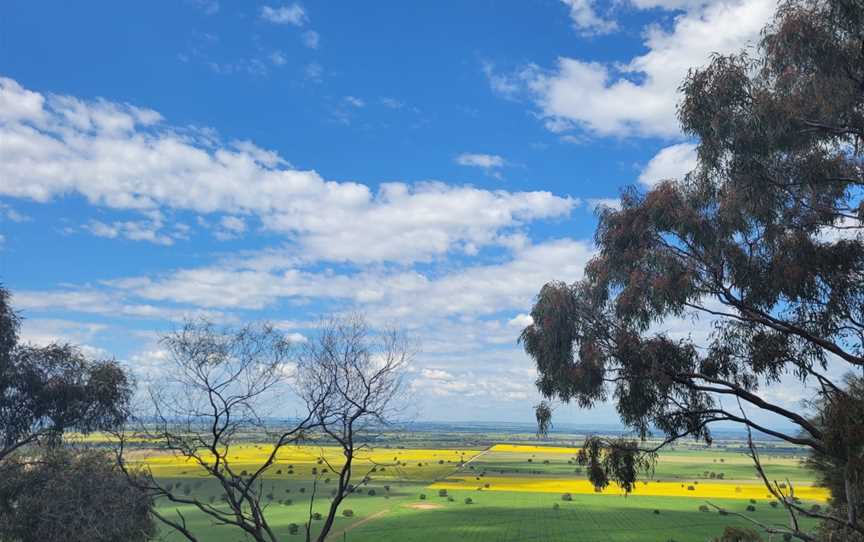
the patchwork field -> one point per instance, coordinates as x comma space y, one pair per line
507, 492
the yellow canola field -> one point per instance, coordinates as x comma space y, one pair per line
653, 489
306, 457
526, 449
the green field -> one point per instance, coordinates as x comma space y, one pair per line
395, 511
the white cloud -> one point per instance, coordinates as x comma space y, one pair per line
585, 18
408, 296
311, 39
599, 203
292, 14
126, 158
152, 230
521, 321
231, 227
484, 161
638, 98
354, 101
672, 162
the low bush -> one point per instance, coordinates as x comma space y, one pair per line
469, 500
442, 492
293, 528
348, 513
704, 508
566, 497
422, 496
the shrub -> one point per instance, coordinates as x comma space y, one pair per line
293, 528
371, 492
316, 516
279, 471
656, 512
752, 501
815, 508
442, 492
704, 508
751, 508
451, 499
348, 513
566, 497
739, 534
422, 496
773, 504
691, 488
469, 500
555, 506
302, 490
486, 486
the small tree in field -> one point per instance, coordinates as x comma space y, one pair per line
764, 239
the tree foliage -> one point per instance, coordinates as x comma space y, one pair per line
71, 495
46, 390
762, 240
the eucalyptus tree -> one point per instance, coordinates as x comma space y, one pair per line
47, 390
762, 240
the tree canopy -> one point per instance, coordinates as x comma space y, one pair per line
762, 241
46, 390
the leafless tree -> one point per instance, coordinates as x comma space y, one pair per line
222, 388
363, 372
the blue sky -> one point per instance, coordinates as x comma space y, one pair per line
431, 164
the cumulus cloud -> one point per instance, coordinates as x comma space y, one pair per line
638, 98
586, 20
123, 157
672, 162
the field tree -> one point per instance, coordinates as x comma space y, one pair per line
48, 492
763, 240
224, 384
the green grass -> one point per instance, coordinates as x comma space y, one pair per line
505, 516
508, 516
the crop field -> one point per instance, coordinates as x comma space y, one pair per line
508, 492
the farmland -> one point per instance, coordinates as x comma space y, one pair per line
487, 490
